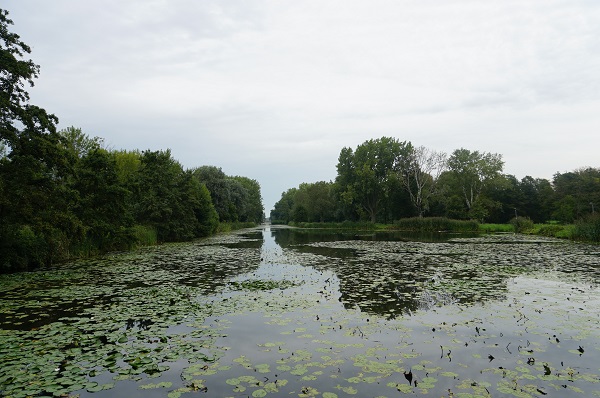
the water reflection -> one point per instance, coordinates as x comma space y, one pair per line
176, 313
286, 236
392, 274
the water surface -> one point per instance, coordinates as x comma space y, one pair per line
276, 311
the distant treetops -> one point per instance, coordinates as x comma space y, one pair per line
385, 179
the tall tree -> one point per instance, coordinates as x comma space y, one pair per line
15, 74
220, 190
35, 220
167, 197
79, 143
536, 195
576, 193
473, 171
103, 199
283, 210
253, 208
420, 173
365, 175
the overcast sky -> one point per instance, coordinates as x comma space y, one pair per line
274, 89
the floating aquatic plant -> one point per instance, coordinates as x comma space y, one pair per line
469, 317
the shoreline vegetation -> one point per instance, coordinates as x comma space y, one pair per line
585, 230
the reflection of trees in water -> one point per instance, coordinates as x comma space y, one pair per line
392, 289
286, 237
396, 278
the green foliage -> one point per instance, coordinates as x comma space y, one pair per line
252, 209
522, 224
283, 209
588, 229
15, 74
551, 230
491, 228
576, 194
144, 236
78, 143
232, 226
64, 195
170, 200
102, 201
470, 172
368, 176
348, 225
435, 224
234, 198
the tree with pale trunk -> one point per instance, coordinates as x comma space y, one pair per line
420, 175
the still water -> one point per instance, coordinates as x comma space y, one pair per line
277, 311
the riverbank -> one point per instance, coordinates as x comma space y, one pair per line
587, 230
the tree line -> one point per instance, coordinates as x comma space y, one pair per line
386, 179
63, 194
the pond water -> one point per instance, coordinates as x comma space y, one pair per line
277, 311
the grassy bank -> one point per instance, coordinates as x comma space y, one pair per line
551, 230
430, 224
435, 224
232, 226
587, 230
351, 225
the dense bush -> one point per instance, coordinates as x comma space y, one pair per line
588, 229
551, 230
522, 224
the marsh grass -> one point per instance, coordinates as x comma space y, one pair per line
436, 224
233, 226
352, 225
428, 224
494, 228
588, 229
144, 236
522, 224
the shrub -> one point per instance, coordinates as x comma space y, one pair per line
491, 228
144, 235
551, 230
232, 226
522, 224
588, 229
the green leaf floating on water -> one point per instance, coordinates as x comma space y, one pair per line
257, 284
164, 384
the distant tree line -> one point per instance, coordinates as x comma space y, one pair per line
385, 179
63, 194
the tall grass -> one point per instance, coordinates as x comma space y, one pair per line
144, 236
232, 226
522, 224
435, 224
338, 225
492, 228
588, 229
